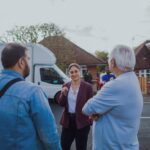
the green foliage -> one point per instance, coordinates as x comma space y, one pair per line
101, 68
63, 67
32, 33
101, 55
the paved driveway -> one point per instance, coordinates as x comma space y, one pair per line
144, 132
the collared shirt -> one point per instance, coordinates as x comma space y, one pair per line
26, 120
120, 104
72, 98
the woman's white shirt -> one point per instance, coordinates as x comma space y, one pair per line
72, 98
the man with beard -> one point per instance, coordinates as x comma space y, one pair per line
26, 120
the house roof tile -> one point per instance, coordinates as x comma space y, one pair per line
142, 53
65, 50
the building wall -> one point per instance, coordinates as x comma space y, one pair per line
93, 71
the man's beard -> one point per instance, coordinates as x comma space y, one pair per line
26, 71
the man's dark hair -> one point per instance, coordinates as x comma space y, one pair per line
11, 53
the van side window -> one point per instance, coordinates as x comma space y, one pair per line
49, 75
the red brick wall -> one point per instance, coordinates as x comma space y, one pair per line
93, 71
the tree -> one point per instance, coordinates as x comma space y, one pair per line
32, 33
101, 55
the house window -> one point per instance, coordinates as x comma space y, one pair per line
83, 69
148, 71
148, 75
145, 73
142, 73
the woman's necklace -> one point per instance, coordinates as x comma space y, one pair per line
75, 88
74, 91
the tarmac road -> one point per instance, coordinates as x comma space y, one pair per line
144, 132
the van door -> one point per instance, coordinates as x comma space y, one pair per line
49, 80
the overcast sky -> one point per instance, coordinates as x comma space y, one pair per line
91, 24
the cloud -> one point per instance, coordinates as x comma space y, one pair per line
145, 21
104, 38
148, 10
81, 31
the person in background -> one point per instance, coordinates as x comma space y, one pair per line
119, 104
26, 120
87, 76
107, 76
75, 125
104, 77
99, 79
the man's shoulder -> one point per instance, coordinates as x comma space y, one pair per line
27, 83
27, 86
26, 89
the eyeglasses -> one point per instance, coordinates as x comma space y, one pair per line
75, 71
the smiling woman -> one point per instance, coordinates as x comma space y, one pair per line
73, 96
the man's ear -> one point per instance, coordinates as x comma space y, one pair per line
20, 63
113, 63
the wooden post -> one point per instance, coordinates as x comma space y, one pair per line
143, 84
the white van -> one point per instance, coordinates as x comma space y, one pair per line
44, 71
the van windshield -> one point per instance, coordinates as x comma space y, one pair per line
49, 75
62, 74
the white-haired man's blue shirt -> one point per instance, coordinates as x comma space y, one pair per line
119, 104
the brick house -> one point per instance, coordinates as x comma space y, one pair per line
67, 52
142, 67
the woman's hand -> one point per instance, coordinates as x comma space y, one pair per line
94, 117
64, 91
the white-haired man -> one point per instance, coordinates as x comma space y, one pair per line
119, 104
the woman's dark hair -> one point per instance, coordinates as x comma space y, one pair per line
75, 65
11, 53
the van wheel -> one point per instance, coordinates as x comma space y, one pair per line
56, 97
